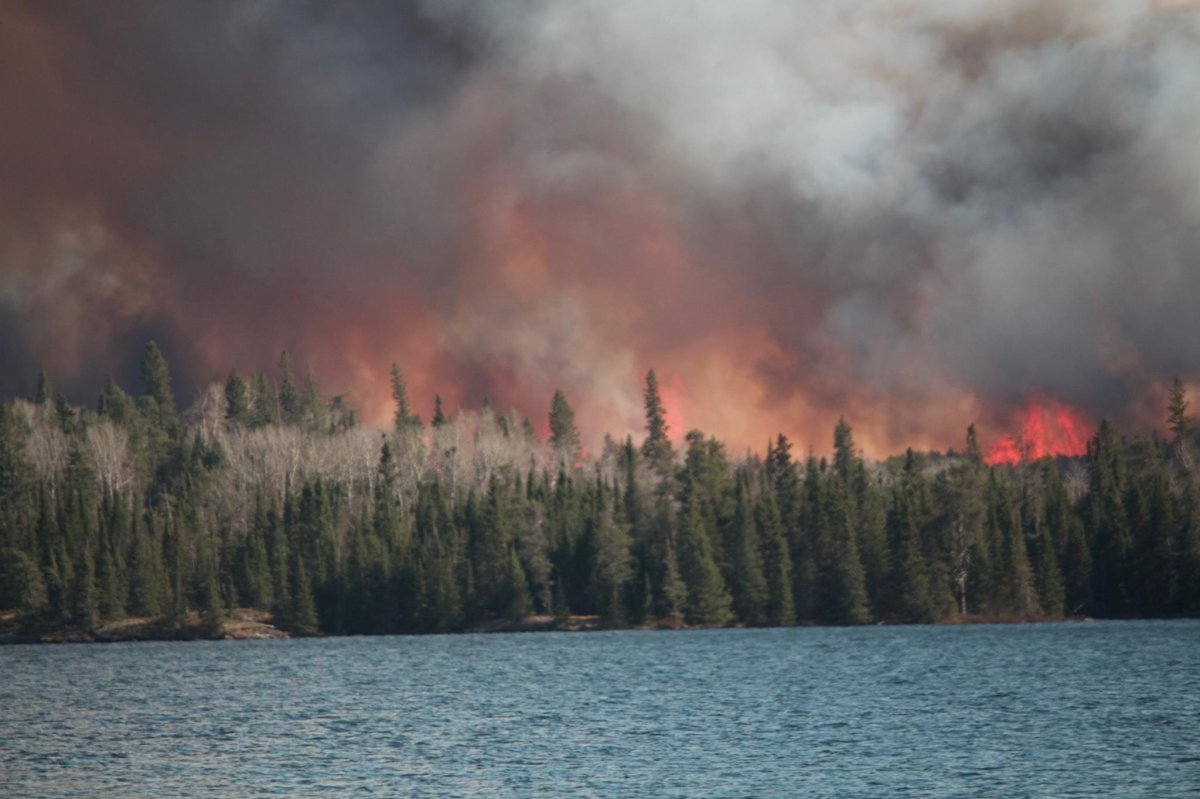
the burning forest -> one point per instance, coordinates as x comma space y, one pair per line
920, 217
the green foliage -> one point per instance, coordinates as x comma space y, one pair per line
1178, 421
656, 449
439, 417
131, 514
44, 391
237, 399
290, 409
156, 382
564, 436
403, 419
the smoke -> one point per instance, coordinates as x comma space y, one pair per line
917, 215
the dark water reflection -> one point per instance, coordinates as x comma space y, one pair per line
1102, 709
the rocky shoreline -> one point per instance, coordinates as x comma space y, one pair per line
243, 624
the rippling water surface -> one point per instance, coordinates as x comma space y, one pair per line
1101, 709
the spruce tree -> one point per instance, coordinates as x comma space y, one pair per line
302, 611
564, 437
780, 606
156, 380
708, 600
909, 594
656, 448
748, 582
846, 595
237, 399
439, 417
290, 406
44, 391
1108, 521
403, 418
673, 596
264, 410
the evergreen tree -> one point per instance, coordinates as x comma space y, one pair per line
564, 437
404, 419
612, 568
844, 457
85, 604
1108, 520
656, 449
237, 399
845, 600
302, 611
674, 593
212, 608
708, 600
156, 380
439, 418
45, 391
263, 410
909, 594
747, 581
780, 606
21, 585
290, 406
1179, 422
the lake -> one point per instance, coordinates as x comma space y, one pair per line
1055, 710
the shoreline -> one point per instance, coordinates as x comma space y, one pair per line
247, 624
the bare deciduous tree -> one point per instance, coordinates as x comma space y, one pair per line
108, 448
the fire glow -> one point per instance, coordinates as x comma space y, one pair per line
1046, 429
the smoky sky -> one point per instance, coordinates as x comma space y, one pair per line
915, 214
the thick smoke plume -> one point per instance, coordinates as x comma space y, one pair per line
915, 214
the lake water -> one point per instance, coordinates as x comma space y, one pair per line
1088, 709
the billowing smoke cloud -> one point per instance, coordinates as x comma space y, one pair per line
916, 214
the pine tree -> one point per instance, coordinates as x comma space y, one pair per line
1179, 422
156, 380
21, 585
1108, 520
237, 399
263, 410
846, 595
909, 594
146, 587
85, 603
1014, 575
212, 608
290, 407
708, 600
45, 391
515, 593
564, 437
302, 613
844, 456
748, 582
611, 569
674, 593
656, 449
403, 419
439, 418
781, 606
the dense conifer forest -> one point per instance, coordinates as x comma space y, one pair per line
266, 495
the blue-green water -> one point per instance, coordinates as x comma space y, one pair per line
1101, 709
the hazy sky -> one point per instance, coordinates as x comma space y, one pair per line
916, 214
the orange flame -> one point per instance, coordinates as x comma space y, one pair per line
1045, 430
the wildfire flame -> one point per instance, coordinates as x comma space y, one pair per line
1045, 430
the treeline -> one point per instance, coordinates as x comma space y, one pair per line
265, 495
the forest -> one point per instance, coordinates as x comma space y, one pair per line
264, 494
